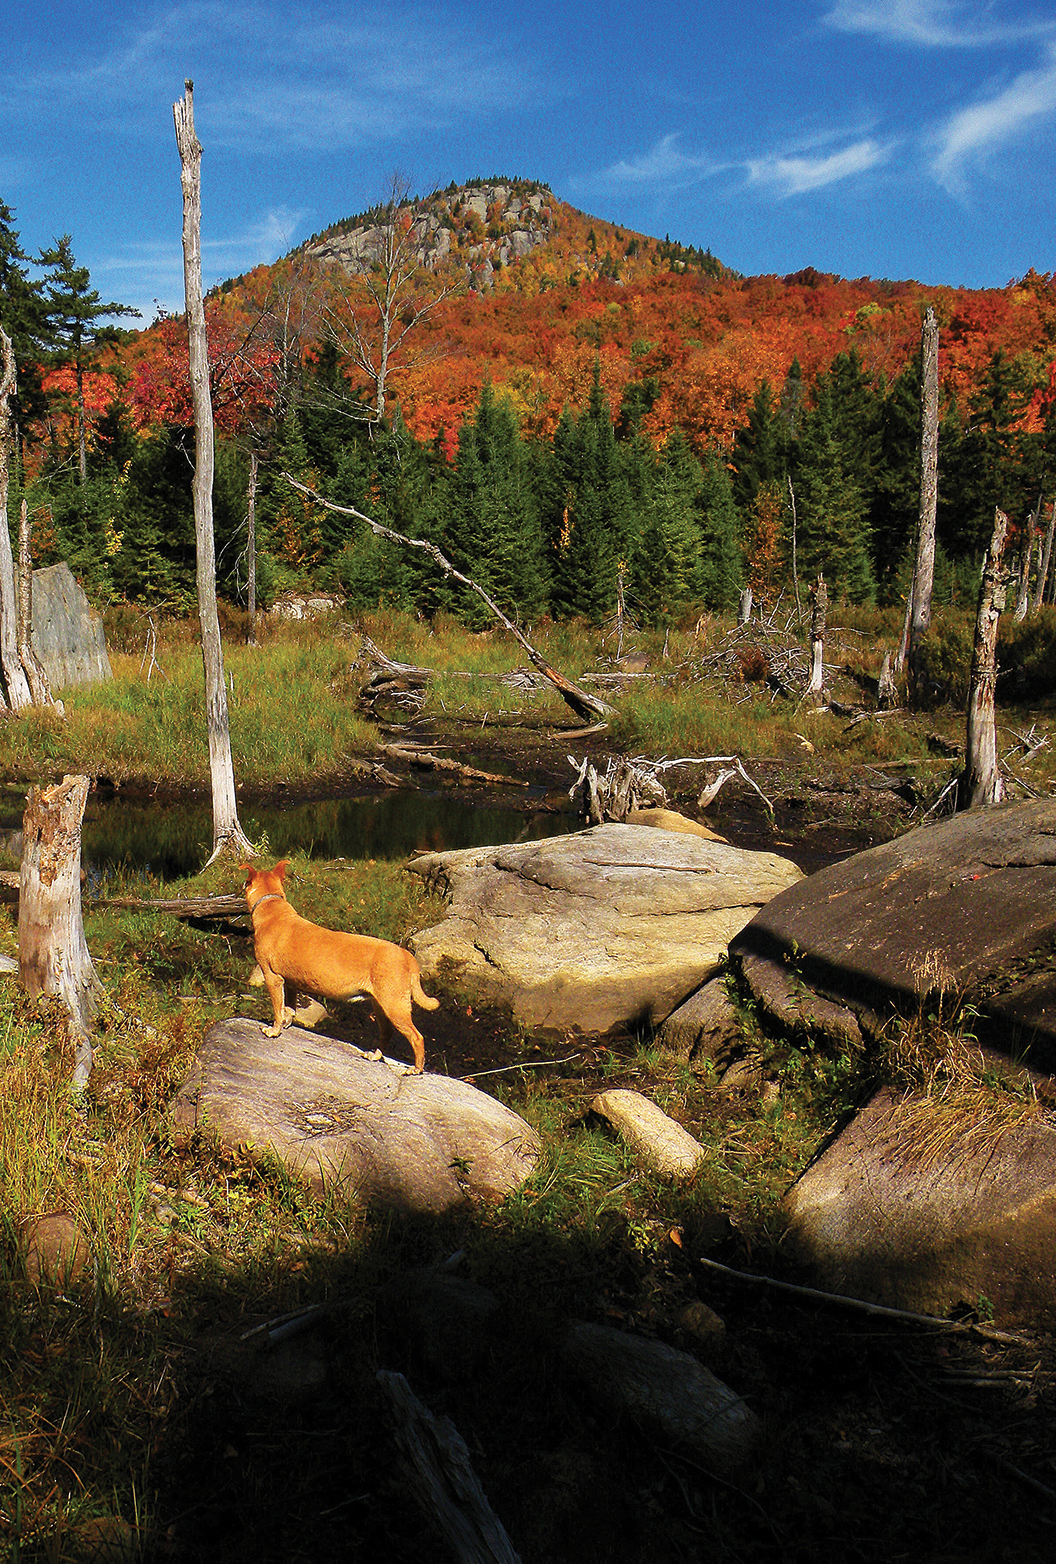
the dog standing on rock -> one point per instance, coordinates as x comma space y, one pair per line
332, 964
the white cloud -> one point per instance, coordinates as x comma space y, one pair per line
972, 133
933, 23
265, 79
796, 175
664, 164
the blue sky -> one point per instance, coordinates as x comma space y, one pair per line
883, 138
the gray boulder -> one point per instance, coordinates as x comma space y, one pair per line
652, 1134
341, 1119
705, 1028
961, 907
921, 1206
599, 930
67, 632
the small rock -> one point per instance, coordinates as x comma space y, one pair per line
657, 1138
704, 1027
697, 1319
56, 1250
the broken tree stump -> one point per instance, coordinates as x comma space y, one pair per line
53, 954
980, 782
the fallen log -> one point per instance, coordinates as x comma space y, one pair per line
426, 761
183, 906
440, 1477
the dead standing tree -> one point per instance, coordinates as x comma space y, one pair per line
52, 953
228, 835
16, 684
918, 608
980, 782
587, 707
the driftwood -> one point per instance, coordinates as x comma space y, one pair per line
184, 906
52, 950
439, 1476
582, 704
626, 785
424, 760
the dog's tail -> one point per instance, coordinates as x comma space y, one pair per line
420, 997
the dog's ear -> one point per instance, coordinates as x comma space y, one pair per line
250, 872
280, 868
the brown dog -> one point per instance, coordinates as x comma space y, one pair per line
291, 950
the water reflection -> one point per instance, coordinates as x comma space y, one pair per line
172, 840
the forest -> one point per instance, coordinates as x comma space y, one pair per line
572, 413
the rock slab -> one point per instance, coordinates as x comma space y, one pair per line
600, 930
414, 1142
964, 906
67, 632
652, 1134
919, 1208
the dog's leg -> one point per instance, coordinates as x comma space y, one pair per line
403, 1022
283, 1014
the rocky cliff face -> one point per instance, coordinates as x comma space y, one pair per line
485, 226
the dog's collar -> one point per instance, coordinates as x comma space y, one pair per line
271, 896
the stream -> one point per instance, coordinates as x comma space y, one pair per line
173, 839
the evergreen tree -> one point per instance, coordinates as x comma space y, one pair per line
75, 312
722, 574
833, 535
668, 577
759, 449
493, 533
23, 318
587, 523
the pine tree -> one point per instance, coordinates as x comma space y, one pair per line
75, 311
668, 576
588, 524
493, 534
833, 534
722, 555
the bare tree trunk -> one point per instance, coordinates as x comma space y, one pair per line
886, 690
15, 682
227, 833
795, 566
251, 549
1046, 557
1026, 557
35, 671
980, 781
924, 569
744, 606
584, 705
52, 952
819, 604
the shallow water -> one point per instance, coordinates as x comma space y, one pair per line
172, 840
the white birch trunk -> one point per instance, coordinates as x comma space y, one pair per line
227, 833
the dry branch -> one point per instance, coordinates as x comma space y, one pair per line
584, 705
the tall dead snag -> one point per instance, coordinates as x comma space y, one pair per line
924, 568
228, 835
585, 706
1046, 557
16, 684
980, 782
52, 952
36, 673
819, 607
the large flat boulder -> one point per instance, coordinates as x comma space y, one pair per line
600, 930
926, 1206
964, 907
343, 1120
